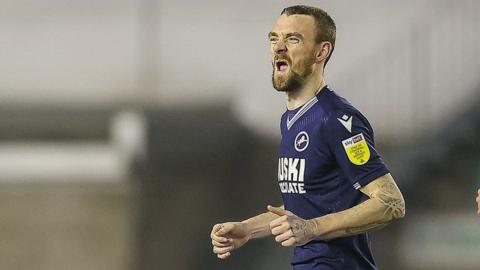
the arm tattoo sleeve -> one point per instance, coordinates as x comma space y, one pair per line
393, 204
385, 204
364, 228
391, 198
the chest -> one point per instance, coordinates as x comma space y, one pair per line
304, 151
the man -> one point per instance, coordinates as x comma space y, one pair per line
478, 201
335, 186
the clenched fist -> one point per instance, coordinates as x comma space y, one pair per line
227, 237
289, 229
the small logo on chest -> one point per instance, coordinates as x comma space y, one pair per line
301, 141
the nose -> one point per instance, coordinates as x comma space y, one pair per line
280, 47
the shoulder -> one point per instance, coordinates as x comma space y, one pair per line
342, 115
336, 106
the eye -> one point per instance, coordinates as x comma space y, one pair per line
273, 40
293, 40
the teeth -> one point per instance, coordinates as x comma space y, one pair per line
282, 66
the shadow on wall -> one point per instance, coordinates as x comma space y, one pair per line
202, 168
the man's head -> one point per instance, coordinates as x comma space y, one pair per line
301, 43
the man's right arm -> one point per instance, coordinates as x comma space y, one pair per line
229, 236
259, 226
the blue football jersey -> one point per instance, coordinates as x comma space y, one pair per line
326, 155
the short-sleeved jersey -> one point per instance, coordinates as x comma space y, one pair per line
326, 155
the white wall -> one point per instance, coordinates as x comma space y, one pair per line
186, 53
56, 51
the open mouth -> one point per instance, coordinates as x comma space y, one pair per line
281, 65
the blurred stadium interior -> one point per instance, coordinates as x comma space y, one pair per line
128, 128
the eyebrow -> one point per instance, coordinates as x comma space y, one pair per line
293, 34
272, 34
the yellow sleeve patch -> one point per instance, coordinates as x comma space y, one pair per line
357, 149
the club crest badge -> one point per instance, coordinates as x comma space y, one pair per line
301, 141
357, 149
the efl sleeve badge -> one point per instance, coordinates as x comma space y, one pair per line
357, 149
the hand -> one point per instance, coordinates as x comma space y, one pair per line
478, 201
290, 229
227, 237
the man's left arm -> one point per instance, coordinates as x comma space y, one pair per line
384, 205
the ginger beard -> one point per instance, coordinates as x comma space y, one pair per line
285, 78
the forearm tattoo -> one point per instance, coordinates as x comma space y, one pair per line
259, 232
390, 196
364, 228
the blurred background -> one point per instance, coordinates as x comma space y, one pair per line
129, 127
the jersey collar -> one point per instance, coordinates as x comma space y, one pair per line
301, 112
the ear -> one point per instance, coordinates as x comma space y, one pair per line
323, 51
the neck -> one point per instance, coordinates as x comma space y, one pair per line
312, 86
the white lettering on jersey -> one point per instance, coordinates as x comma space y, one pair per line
291, 174
292, 168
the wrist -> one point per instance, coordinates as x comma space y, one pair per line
317, 228
325, 225
311, 229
